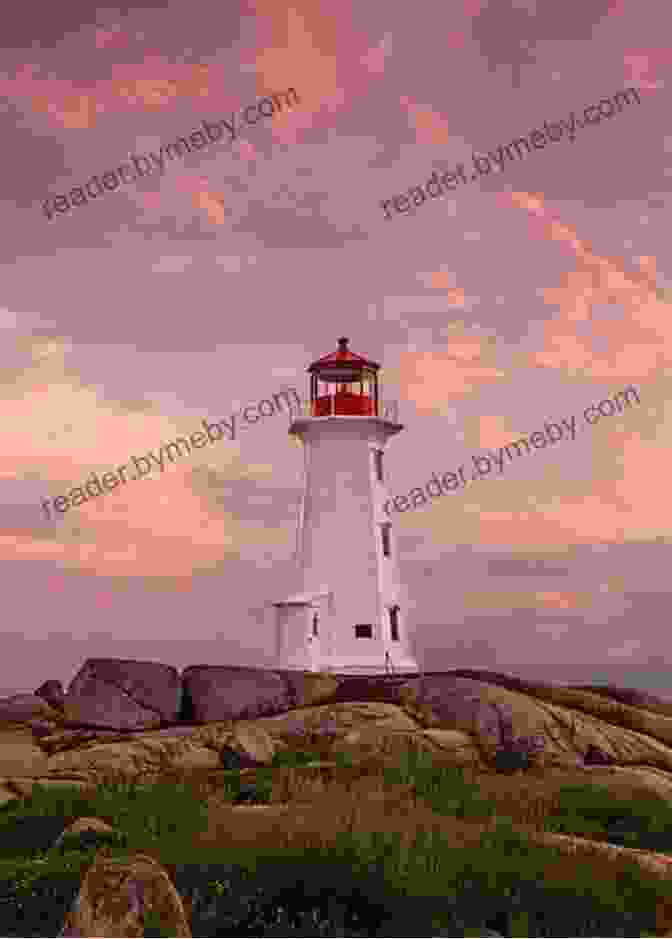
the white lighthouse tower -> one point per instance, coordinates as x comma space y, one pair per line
347, 615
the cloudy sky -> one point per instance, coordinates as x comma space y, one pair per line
521, 298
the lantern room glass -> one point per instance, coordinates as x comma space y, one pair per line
344, 391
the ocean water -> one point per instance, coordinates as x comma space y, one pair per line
655, 680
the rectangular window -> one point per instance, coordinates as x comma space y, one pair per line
364, 631
378, 459
394, 623
385, 532
315, 621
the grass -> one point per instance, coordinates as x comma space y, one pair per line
592, 811
588, 810
152, 925
393, 879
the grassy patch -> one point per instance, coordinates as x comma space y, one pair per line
358, 883
444, 788
153, 926
593, 811
588, 810
373, 884
294, 757
29, 826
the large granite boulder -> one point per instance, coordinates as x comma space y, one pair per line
122, 694
461, 704
117, 894
22, 708
221, 692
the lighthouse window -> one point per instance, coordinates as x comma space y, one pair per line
394, 623
378, 457
315, 621
385, 531
364, 631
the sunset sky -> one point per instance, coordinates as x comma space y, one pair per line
520, 299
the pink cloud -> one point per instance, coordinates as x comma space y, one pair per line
155, 527
639, 340
153, 83
430, 126
376, 57
641, 67
301, 54
627, 508
432, 378
542, 600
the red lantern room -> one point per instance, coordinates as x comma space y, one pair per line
343, 383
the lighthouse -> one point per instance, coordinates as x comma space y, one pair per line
346, 615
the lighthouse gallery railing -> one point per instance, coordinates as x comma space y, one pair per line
388, 409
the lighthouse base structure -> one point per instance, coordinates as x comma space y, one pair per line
380, 658
311, 638
344, 668
405, 666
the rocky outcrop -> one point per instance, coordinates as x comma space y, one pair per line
20, 754
658, 723
137, 721
129, 720
307, 689
652, 862
217, 693
220, 692
117, 896
143, 757
632, 696
246, 747
444, 700
596, 757
52, 692
21, 708
365, 729
123, 695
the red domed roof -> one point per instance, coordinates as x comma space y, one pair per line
342, 357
